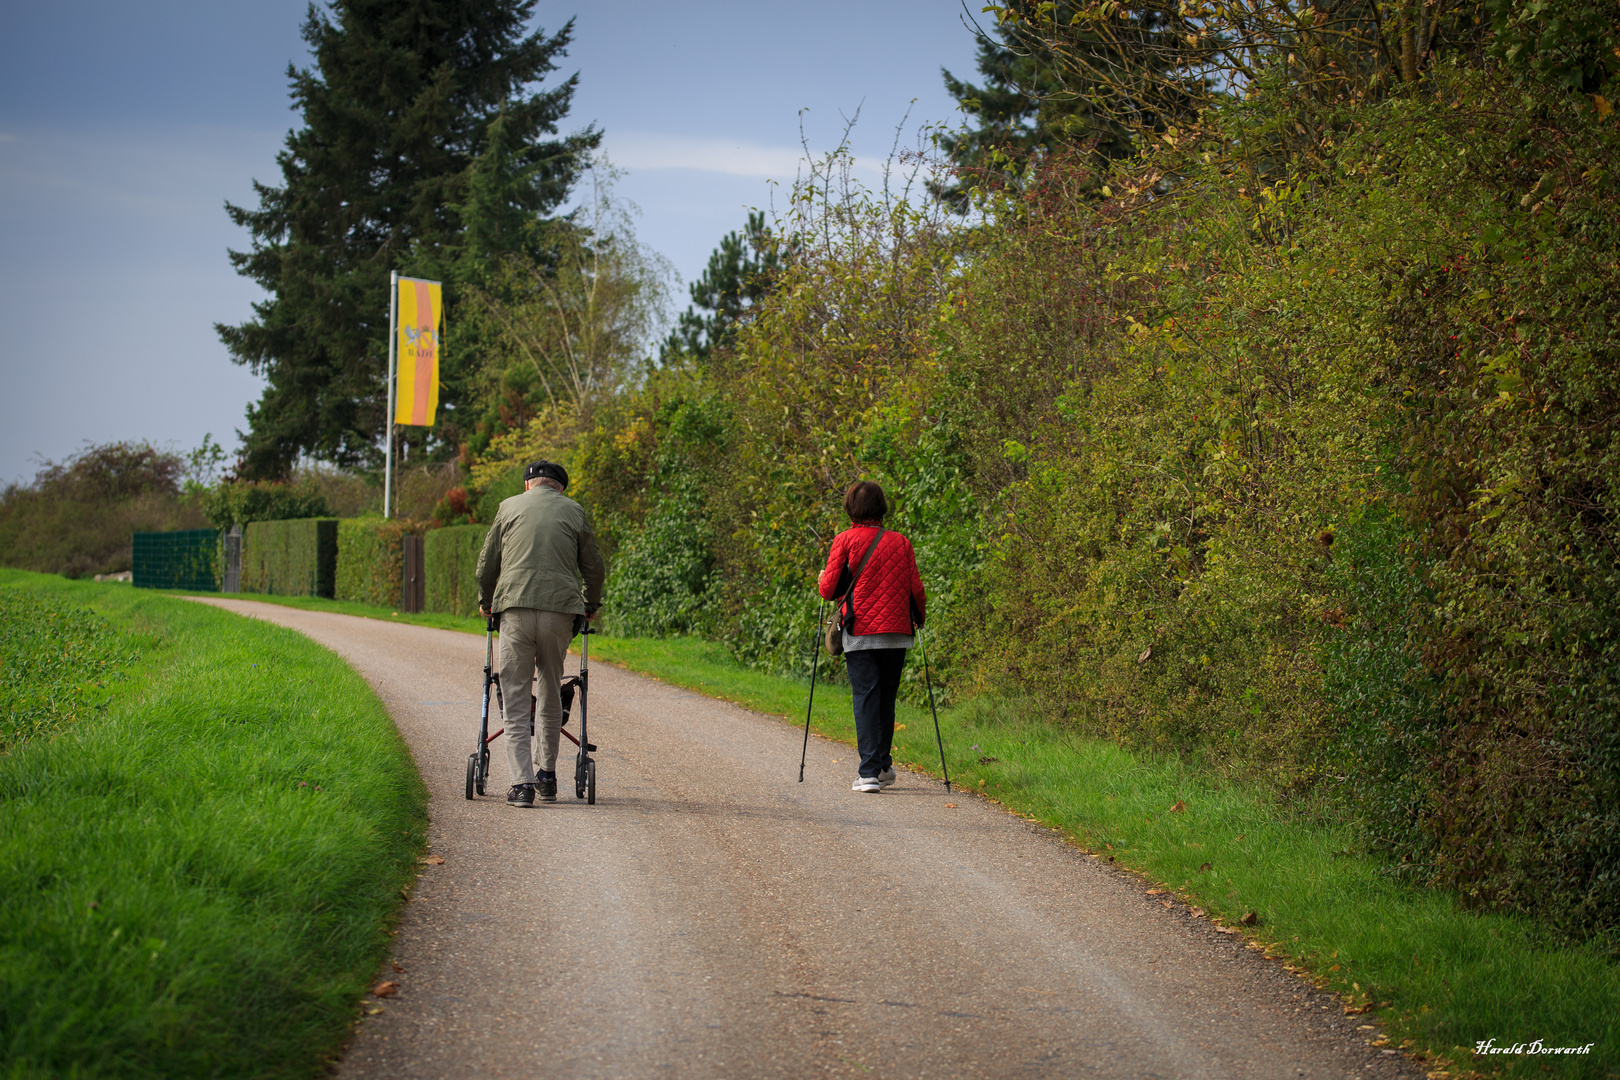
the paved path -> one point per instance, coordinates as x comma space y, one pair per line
710, 917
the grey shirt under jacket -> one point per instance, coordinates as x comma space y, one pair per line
538, 549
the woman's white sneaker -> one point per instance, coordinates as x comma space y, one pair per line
866, 783
886, 778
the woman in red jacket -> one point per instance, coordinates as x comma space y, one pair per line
879, 618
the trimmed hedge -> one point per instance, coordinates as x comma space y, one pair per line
450, 556
297, 557
371, 559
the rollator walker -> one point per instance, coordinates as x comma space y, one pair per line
572, 686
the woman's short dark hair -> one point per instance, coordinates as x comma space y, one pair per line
864, 501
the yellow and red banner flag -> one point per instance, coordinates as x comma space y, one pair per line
420, 313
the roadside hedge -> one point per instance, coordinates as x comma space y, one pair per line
450, 557
290, 558
371, 559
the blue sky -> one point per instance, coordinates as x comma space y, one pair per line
125, 127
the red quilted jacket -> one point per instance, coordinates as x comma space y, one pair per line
889, 588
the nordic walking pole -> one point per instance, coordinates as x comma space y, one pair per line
937, 739
815, 663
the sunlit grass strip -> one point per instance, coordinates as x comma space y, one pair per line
1442, 980
201, 881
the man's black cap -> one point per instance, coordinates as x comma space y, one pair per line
546, 470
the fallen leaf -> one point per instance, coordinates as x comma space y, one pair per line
432, 860
1250, 918
1198, 913
1154, 892
1166, 904
1227, 929
1179, 807
950, 806
988, 760
1146, 654
385, 989
374, 1010
899, 727
1239, 837
399, 967
1202, 868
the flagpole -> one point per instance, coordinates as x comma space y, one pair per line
393, 336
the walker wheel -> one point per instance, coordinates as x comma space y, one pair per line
483, 769
472, 774
590, 783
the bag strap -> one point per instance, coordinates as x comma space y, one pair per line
849, 593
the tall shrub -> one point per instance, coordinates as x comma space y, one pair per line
76, 516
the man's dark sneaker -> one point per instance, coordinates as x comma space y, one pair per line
545, 786
521, 796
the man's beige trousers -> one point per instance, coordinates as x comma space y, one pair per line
530, 640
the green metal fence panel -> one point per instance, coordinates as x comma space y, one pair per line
183, 559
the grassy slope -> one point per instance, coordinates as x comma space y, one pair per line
1450, 978
201, 880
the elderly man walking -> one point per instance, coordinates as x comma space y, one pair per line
538, 550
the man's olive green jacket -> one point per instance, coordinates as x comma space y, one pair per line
537, 550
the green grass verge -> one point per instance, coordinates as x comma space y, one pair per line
199, 880
1441, 979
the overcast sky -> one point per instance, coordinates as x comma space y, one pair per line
125, 127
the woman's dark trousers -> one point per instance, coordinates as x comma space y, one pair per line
874, 675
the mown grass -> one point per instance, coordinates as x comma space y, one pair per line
199, 880
1441, 979
56, 664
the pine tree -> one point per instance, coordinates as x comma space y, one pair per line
425, 147
739, 276
1034, 99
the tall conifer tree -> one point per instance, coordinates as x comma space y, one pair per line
425, 147
1031, 102
740, 275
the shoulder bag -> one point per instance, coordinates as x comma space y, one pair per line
845, 611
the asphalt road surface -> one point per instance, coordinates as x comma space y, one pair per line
711, 917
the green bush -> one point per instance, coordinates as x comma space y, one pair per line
450, 557
290, 558
371, 559
240, 502
76, 517
660, 580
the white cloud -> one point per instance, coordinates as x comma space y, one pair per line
735, 157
